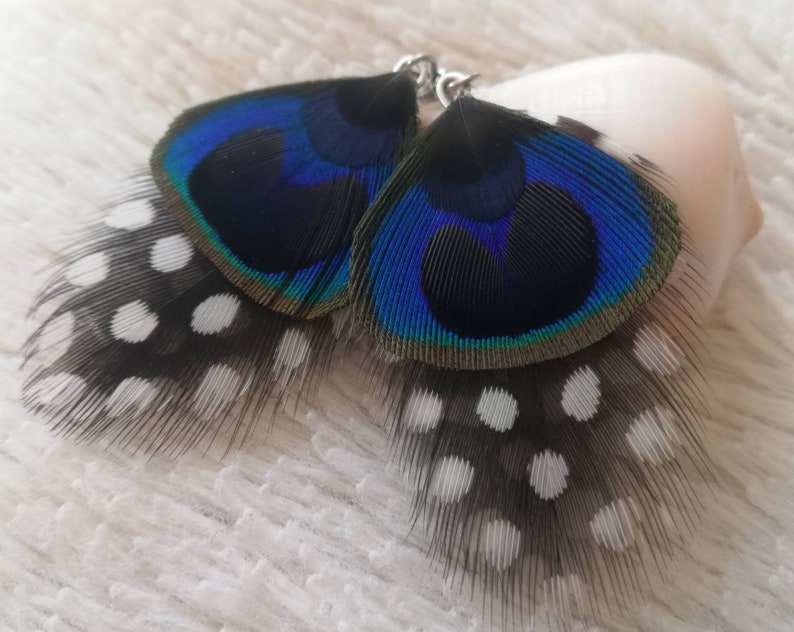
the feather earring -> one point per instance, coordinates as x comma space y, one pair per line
203, 297
546, 391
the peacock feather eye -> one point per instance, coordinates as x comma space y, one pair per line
503, 241
271, 184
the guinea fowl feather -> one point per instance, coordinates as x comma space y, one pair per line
159, 350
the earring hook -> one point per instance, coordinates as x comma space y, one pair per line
430, 79
424, 69
451, 85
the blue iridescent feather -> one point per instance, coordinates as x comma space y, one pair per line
503, 241
270, 184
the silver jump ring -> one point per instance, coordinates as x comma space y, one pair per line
451, 85
424, 69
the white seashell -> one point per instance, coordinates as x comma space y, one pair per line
669, 112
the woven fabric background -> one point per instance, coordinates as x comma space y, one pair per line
305, 529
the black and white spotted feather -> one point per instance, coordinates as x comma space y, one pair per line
562, 488
146, 344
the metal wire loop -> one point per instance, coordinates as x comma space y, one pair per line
424, 69
430, 79
450, 85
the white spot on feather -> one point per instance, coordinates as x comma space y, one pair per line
169, 254
497, 409
88, 270
130, 215
55, 338
656, 350
581, 394
501, 541
612, 526
548, 473
219, 387
422, 411
133, 322
452, 479
58, 390
214, 314
292, 351
132, 395
652, 435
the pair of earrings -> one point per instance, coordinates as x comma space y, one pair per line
542, 373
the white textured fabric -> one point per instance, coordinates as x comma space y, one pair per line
304, 529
